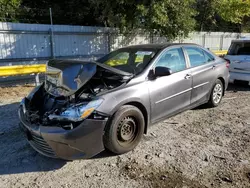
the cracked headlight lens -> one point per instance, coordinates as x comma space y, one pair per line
80, 111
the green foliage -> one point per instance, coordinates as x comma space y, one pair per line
233, 10
205, 15
71, 12
165, 17
221, 15
171, 18
8, 9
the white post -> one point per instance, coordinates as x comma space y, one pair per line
37, 79
51, 34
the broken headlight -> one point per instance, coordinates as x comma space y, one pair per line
77, 112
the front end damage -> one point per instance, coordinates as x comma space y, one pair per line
60, 118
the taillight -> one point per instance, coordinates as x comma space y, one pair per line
227, 63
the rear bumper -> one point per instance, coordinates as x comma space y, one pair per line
84, 141
239, 76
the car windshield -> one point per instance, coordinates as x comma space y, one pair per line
129, 59
239, 48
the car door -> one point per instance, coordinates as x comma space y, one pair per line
172, 93
203, 69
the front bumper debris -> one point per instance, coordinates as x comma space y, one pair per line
84, 141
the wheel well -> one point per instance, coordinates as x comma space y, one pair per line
223, 82
144, 112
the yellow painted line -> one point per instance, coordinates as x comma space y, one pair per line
220, 52
21, 69
41, 68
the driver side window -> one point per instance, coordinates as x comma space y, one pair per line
173, 59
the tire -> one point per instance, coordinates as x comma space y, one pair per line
125, 130
216, 94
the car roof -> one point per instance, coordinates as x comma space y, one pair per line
157, 46
241, 40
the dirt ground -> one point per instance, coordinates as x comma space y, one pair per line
198, 148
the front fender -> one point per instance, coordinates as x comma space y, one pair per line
127, 101
136, 94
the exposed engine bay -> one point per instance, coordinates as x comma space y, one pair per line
71, 93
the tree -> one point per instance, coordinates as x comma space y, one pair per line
71, 12
236, 12
164, 17
169, 18
8, 9
205, 18
221, 15
233, 10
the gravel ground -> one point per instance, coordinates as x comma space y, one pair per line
198, 148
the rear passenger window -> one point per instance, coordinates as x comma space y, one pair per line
196, 56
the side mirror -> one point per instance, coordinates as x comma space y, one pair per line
159, 72
162, 71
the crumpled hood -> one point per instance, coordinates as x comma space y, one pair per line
65, 77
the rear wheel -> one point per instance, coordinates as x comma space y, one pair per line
125, 130
216, 94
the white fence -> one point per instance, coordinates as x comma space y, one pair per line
34, 43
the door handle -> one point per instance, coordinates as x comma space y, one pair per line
213, 67
188, 76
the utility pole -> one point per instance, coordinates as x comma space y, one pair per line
51, 34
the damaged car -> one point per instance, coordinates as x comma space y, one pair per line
84, 107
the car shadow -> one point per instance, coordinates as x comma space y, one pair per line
238, 87
17, 156
104, 154
201, 107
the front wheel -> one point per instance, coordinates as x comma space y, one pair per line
216, 94
125, 130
